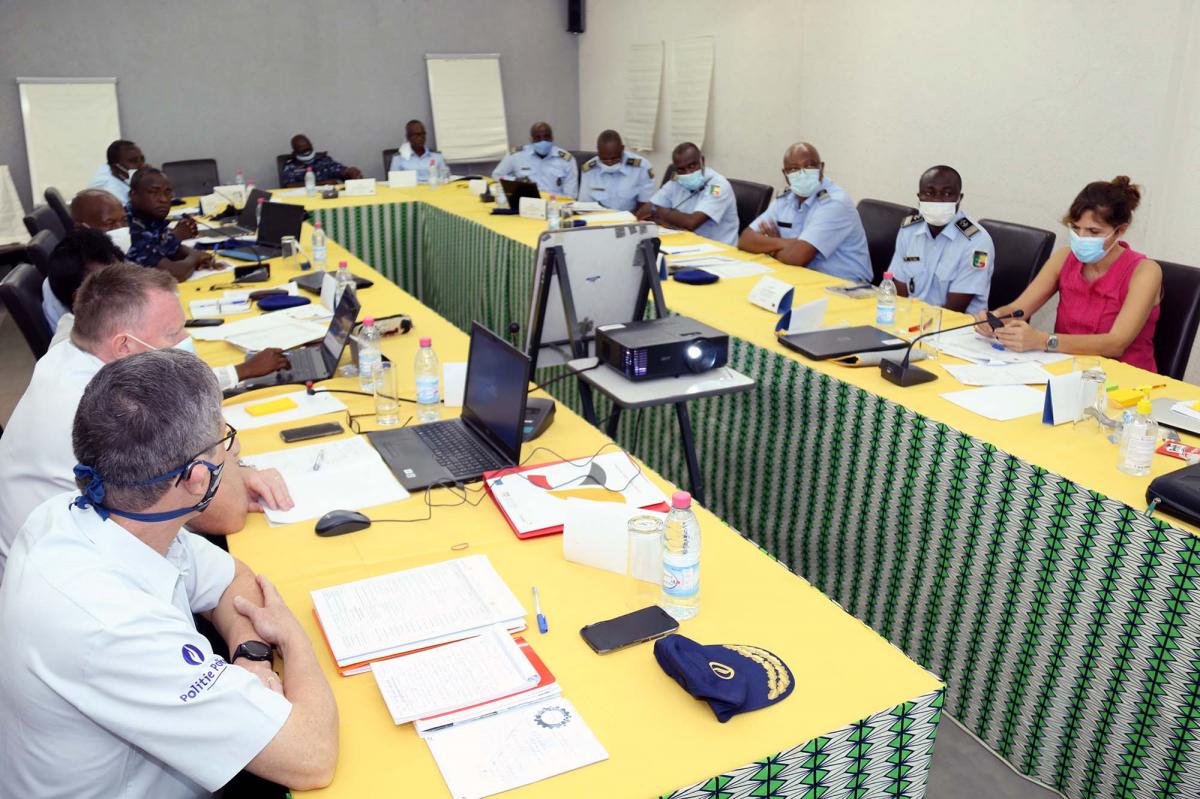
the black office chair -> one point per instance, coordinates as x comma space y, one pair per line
55, 200
387, 159
751, 199
1020, 252
21, 293
1179, 316
668, 173
484, 168
42, 217
280, 160
581, 158
193, 177
881, 220
37, 251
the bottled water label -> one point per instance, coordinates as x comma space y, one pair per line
428, 392
367, 361
1139, 451
681, 575
885, 314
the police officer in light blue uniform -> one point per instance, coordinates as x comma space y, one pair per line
616, 178
814, 223
551, 168
942, 256
122, 159
696, 199
412, 155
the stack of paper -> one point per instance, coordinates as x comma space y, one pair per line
999, 402
347, 473
382, 617
721, 266
284, 329
1001, 375
246, 415
970, 346
471, 673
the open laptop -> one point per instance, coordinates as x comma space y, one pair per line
247, 223
514, 190
836, 342
312, 281
278, 220
315, 361
488, 434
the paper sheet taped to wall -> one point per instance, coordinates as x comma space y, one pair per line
643, 81
691, 81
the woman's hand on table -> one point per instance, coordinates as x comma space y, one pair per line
1017, 335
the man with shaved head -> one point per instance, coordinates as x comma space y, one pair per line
696, 199
99, 210
542, 162
615, 177
326, 169
812, 223
941, 255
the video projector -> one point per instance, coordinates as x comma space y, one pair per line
658, 348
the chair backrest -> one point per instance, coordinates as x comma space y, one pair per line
38, 250
484, 168
1020, 252
43, 217
668, 173
55, 200
881, 220
751, 199
280, 160
581, 158
1179, 316
387, 158
196, 176
21, 293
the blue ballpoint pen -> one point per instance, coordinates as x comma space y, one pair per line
537, 607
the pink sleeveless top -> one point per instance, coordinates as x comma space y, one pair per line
1091, 308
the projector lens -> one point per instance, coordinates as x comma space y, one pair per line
701, 357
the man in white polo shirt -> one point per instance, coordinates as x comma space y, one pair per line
108, 689
120, 310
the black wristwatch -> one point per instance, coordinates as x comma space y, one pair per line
253, 650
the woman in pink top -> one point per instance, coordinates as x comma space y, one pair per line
1108, 293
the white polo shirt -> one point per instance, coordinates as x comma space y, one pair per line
37, 459
108, 689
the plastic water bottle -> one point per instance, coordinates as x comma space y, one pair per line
681, 559
553, 214
885, 304
369, 355
310, 182
239, 178
435, 174
429, 383
501, 197
1139, 437
319, 250
345, 282
258, 213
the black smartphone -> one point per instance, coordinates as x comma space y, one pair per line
994, 321
294, 434
204, 323
632, 628
252, 274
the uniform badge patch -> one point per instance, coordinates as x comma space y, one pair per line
715, 191
979, 259
650, 172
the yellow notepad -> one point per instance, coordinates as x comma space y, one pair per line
271, 406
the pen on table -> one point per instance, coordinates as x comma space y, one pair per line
317, 462
537, 607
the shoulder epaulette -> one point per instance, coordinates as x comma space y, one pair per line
911, 220
823, 194
516, 149
591, 162
632, 161
564, 155
968, 227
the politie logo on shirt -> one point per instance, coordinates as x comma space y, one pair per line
205, 680
192, 655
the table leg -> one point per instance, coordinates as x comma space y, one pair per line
696, 480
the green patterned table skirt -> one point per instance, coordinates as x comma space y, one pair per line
1066, 625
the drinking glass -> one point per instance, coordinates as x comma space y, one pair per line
930, 322
643, 562
385, 379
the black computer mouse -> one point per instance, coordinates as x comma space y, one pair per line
340, 522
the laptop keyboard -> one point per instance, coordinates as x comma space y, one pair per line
306, 363
457, 449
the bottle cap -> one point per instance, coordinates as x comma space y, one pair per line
887, 275
341, 264
681, 499
369, 321
426, 342
262, 200
316, 224
308, 169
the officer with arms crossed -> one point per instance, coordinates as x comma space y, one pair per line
942, 256
814, 223
121, 310
325, 168
551, 168
696, 199
413, 154
108, 689
615, 177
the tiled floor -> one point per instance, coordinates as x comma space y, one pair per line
961, 766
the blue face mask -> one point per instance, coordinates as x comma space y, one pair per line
804, 182
95, 494
692, 181
608, 170
543, 148
1088, 249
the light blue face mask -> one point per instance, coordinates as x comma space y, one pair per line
692, 181
608, 170
1088, 249
804, 182
543, 148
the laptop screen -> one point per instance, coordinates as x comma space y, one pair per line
339, 328
279, 220
248, 216
494, 399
